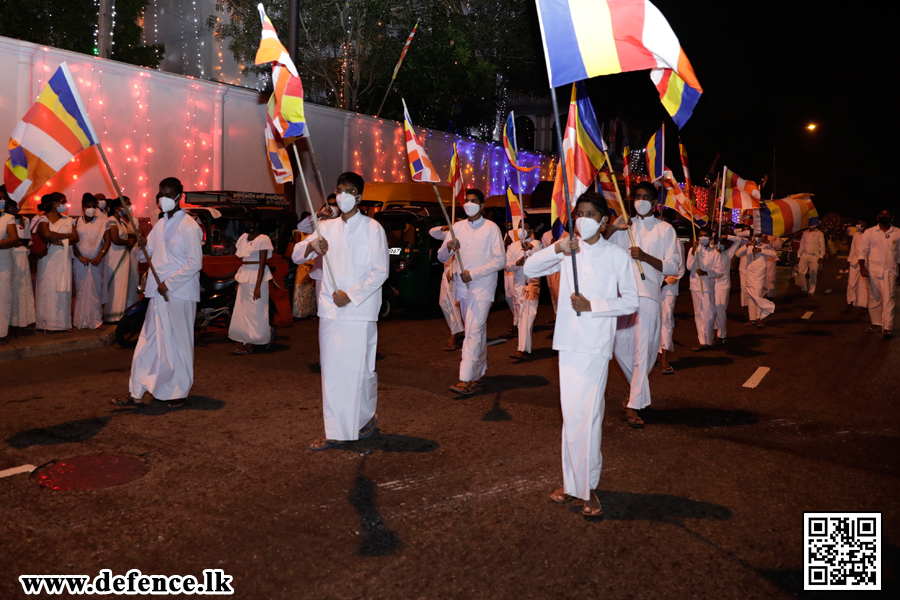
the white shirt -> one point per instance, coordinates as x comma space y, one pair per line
250, 251
175, 247
724, 280
605, 278
756, 262
672, 290
358, 253
880, 250
710, 260
659, 240
853, 257
482, 254
513, 253
812, 243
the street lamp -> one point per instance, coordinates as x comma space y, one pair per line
810, 127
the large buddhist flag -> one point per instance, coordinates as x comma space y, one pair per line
419, 164
655, 156
53, 131
456, 179
608, 189
788, 215
589, 38
277, 153
677, 200
511, 144
287, 111
740, 194
514, 212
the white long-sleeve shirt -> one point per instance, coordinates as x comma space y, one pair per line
175, 247
881, 250
482, 253
710, 260
513, 253
358, 252
658, 239
756, 262
605, 278
672, 290
855, 245
723, 281
812, 243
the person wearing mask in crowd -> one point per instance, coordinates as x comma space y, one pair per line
668, 295
479, 247
357, 251
163, 361
118, 267
22, 314
92, 247
526, 290
811, 253
655, 251
509, 288
756, 252
9, 239
879, 255
250, 319
330, 210
705, 264
857, 287
727, 247
552, 279
743, 232
53, 289
303, 301
771, 262
102, 204
134, 251
584, 335
447, 300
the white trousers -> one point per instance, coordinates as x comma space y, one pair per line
88, 312
553, 284
474, 350
637, 343
450, 307
704, 313
667, 323
770, 277
349, 382
582, 387
6, 294
808, 264
509, 292
760, 306
250, 319
723, 293
526, 307
857, 287
881, 299
163, 362
745, 299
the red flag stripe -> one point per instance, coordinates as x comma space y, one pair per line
47, 121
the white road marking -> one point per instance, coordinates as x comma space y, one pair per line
757, 377
828, 291
17, 470
807, 315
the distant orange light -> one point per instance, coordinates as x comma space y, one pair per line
811, 126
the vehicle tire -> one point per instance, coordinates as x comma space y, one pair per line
385, 309
129, 329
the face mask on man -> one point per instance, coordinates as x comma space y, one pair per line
90, 212
860, 227
588, 227
704, 241
101, 204
346, 201
471, 208
643, 207
885, 221
166, 204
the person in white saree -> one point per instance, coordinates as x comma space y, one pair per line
91, 249
53, 290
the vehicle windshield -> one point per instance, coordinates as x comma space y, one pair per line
400, 231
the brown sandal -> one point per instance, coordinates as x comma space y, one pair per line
592, 511
561, 497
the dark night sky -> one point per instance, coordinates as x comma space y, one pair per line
767, 70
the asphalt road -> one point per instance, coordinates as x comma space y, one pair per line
449, 499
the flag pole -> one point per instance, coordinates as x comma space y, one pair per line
313, 212
694, 233
565, 180
624, 212
519, 178
440, 200
134, 225
722, 200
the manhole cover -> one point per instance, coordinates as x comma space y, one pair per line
95, 472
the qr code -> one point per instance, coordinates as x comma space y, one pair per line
842, 551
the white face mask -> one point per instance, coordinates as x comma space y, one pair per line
643, 207
472, 208
587, 227
62, 208
704, 241
167, 204
2, 204
101, 204
346, 201
90, 212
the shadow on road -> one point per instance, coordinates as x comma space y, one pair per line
699, 417
696, 360
663, 508
64, 433
814, 333
391, 442
377, 539
497, 413
542, 354
744, 344
505, 383
157, 408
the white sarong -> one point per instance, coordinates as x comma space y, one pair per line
582, 387
163, 362
349, 381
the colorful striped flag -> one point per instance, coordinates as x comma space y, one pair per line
584, 149
655, 156
626, 168
54, 130
676, 199
287, 112
514, 210
456, 179
405, 48
419, 164
511, 145
740, 194
684, 165
588, 38
278, 156
788, 215
608, 189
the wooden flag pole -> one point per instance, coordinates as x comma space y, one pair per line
694, 233
437, 193
722, 200
624, 212
134, 225
562, 165
313, 212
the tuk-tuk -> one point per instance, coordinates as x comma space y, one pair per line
414, 277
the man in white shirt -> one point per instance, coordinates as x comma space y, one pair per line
163, 362
812, 251
552, 278
525, 290
449, 304
668, 295
479, 250
727, 248
756, 253
637, 337
356, 247
857, 287
879, 255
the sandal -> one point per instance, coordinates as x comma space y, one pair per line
126, 401
518, 355
243, 351
701, 348
368, 429
462, 388
635, 422
670, 370
592, 511
887, 334
324, 443
474, 385
450, 348
759, 325
561, 497
177, 403
872, 329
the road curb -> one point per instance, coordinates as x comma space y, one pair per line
62, 347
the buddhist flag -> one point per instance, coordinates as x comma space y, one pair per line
589, 38
740, 194
514, 210
278, 156
608, 189
405, 48
686, 168
785, 216
287, 111
626, 168
456, 179
54, 130
511, 145
676, 199
419, 164
655, 158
